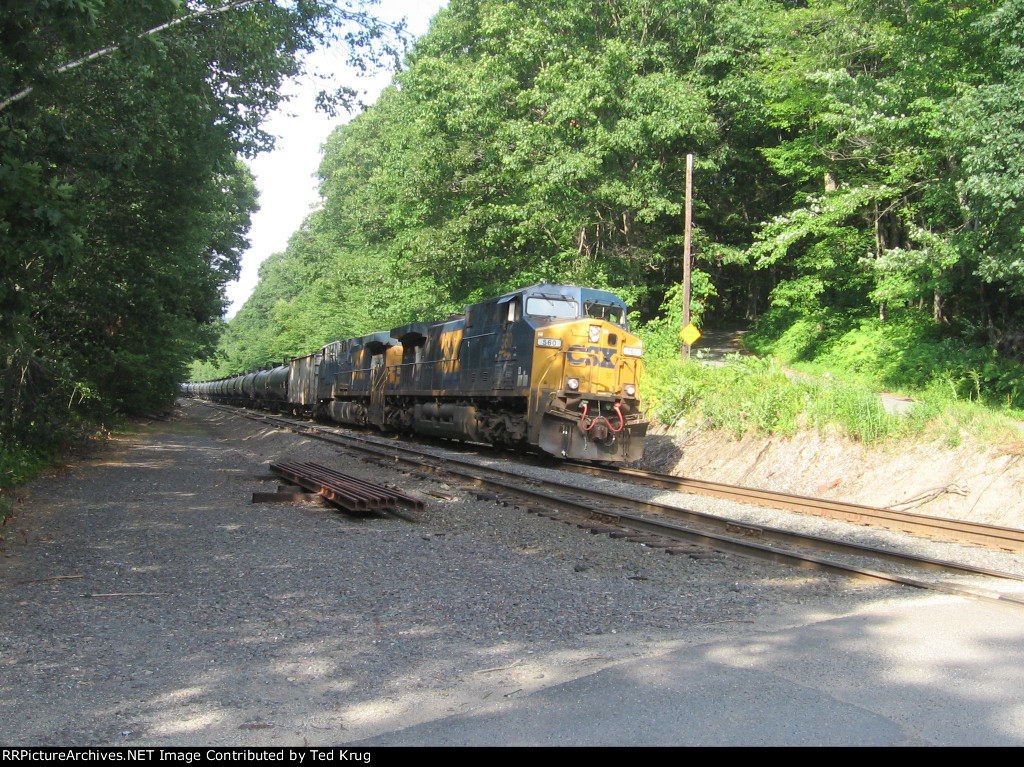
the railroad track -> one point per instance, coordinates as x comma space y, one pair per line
993, 536
673, 527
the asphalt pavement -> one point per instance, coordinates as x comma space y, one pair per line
937, 671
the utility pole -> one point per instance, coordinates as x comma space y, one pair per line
687, 227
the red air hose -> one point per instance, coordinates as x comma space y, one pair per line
617, 407
622, 421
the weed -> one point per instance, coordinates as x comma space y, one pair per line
908, 353
18, 464
757, 395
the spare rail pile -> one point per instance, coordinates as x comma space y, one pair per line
348, 492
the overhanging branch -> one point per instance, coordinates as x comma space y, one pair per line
231, 6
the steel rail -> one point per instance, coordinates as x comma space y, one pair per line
349, 492
994, 536
470, 470
939, 528
386, 494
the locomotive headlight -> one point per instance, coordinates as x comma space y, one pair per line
594, 334
633, 351
550, 343
630, 390
572, 384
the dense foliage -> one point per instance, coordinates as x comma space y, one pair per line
858, 180
123, 201
858, 184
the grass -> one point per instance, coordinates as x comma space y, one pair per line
908, 353
837, 364
17, 466
757, 395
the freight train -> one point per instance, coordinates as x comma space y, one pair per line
552, 367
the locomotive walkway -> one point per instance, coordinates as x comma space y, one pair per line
145, 601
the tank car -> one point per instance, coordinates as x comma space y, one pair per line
552, 367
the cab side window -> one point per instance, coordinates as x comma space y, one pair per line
514, 311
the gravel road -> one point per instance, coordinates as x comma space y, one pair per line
145, 601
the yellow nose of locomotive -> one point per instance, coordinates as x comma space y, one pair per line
586, 402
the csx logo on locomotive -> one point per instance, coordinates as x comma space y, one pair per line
600, 356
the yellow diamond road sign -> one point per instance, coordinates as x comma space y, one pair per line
690, 334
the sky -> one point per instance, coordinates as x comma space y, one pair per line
285, 177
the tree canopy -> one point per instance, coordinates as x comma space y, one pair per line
856, 167
855, 163
124, 200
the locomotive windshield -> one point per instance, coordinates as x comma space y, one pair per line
613, 314
553, 308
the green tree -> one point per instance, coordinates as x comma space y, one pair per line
123, 204
876, 217
992, 130
547, 142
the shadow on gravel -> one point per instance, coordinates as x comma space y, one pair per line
662, 452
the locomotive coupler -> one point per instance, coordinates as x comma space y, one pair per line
598, 427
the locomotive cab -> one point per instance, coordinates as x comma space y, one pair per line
584, 391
